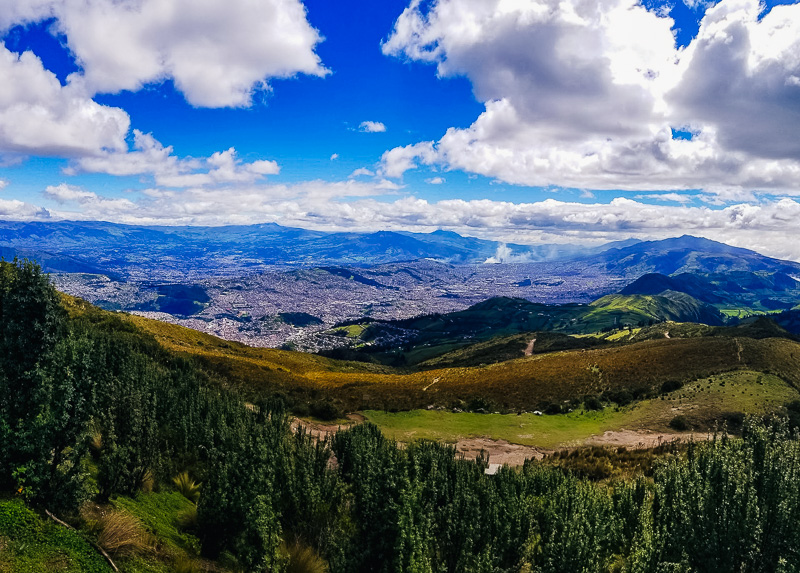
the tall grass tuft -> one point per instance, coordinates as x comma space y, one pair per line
303, 559
96, 442
148, 481
121, 534
187, 487
187, 519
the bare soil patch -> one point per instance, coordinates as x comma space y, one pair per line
638, 439
321, 430
500, 451
529, 349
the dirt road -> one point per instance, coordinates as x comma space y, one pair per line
529, 349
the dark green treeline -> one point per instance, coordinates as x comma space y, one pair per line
90, 408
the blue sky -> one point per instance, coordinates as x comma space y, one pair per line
524, 120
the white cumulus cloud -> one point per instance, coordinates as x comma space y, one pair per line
362, 172
15, 210
766, 226
38, 115
371, 127
585, 94
217, 53
150, 157
668, 197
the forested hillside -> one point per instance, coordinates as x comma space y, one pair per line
97, 418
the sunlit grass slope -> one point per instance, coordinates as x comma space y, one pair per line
522, 383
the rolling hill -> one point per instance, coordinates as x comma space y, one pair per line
736, 293
563, 373
420, 339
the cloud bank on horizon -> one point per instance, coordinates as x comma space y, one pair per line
596, 119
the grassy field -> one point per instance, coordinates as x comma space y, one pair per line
702, 402
745, 312
351, 331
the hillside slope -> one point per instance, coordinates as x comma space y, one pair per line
416, 340
524, 383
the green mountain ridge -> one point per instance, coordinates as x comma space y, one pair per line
423, 337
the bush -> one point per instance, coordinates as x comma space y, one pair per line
552, 408
679, 423
480, 405
623, 398
301, 409
733, 420
187, 519
793, 411
671, 386
325, 410
592, 403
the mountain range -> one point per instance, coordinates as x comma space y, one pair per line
100, 247
71, 246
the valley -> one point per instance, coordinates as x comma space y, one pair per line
336, 378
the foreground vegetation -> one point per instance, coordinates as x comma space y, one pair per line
150, 455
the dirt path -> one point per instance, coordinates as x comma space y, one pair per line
435, 380
637, 439
502, 452
529, 350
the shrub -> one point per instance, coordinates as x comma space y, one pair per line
733, 420
592, 403
148, 481
671, 386
679, 423
479, 404
325, 410
623, 398
552, 408
301, 410
96, 443
187, 487
793, 411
